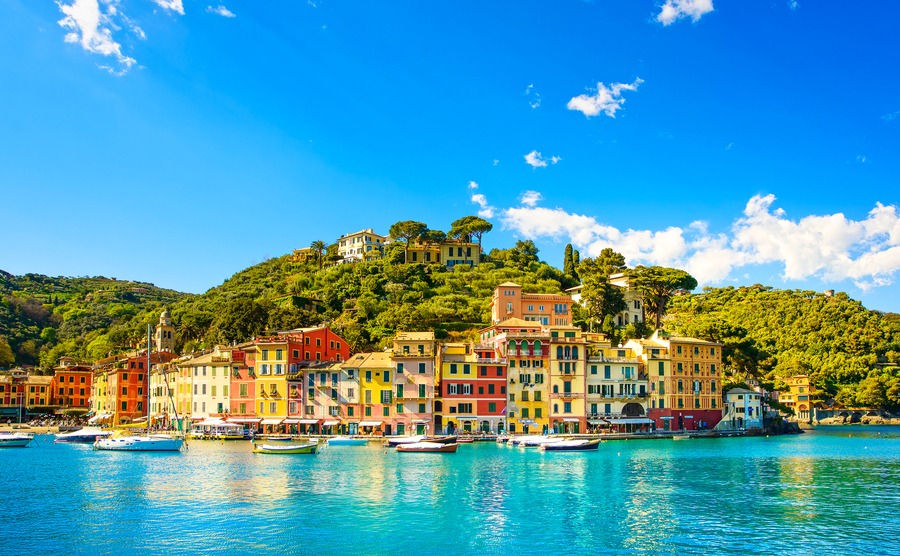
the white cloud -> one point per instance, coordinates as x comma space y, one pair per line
861, 158
831, 248
673, 10
536, 160
92, 28
487, 211
534, 97
220, 10
606, 99
793, 4
171, 5
530, 198
496, 162
891, 116
473, 185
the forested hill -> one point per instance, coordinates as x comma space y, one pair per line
851, 352
43, 318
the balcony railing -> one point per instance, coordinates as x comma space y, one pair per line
491, 360
604, 359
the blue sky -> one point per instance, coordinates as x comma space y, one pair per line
180, 141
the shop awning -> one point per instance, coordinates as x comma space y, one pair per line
99, 417
330, 423
307, 421
632, 421
463, 418
420, 421
667, 418
597, 421
528, 422
571, 419
370, 423
244, 420
271, 421
291, 421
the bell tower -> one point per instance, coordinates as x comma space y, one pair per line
165, 333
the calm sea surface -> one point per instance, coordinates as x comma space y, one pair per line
830, 491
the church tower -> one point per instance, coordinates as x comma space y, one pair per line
165, 333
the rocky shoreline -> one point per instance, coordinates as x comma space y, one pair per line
859, 420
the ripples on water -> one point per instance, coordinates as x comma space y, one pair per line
834, 491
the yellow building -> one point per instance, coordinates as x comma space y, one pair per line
376, 396
799, 396
658, 368
271, 356
617, 386
568, 356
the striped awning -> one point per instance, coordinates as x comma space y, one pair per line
370, 423
330, 423
271, 421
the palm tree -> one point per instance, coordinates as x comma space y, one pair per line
319, 247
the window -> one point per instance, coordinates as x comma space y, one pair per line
490, 388
265, 355
467, 369
349, 411
421, 408
272, 407
368, 411
399, 390
368, 376
399, 408
662, 368
453, 368
606, 371
567, 407
213, 390
593, 369
318, 342
466, 389
387, 376
386, 411
243, 390
386, 396
524, 413
400, 367
421, 368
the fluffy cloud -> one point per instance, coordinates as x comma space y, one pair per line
534, 99
171, 5
92, 28
535, 160
673, 10
473, 185
486, 210
831, 248
220, 10
605, 99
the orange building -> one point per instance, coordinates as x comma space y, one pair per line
548, 309
71, 386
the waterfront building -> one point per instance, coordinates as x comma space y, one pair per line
509, 301
71, 387
658, 368
361, 245
489, 390
13, 395
454, 410
351, 408
39, 392
374, 370
210, 382
689, 397
164, 333
799, 396
526, 348
459, 252
568, 356
121, 386
413, 355
318, 411
617, 386
243, 386
163, 385
743, 410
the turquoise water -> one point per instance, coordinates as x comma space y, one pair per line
831, 491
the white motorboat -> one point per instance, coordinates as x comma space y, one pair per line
347, 441
141, 443
15, 439
539, 441
84, 435
398, 440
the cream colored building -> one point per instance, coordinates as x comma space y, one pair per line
361, 245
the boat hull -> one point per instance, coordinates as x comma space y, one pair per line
152, 443
394, 442
17, 440
441, 439
285, 449
347, 441
428, 448
86, 435
571, 446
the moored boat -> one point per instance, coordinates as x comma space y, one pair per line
465, 440
681, 437
309, 448
15, 439
85, 435
536, 441
347, 441
450, 439
140, 443
398, 440
428, 447
577, 445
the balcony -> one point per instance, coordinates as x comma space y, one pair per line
490, 361
604, 359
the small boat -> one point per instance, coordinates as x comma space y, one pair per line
347, 441
465, 440
397, 440
502, 438
517, 440
85, 435
428, 447
15, 439
681, 437
539, 441
140, 443
579, 445
441, 439
278, 439
309, 448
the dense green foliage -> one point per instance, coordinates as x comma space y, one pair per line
43, 318
849, 352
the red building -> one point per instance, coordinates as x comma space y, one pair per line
472, 386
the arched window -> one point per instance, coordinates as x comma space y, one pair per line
537, 348
559, 352
574, 352
555, 390
511, 348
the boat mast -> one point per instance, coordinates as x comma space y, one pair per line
148, 380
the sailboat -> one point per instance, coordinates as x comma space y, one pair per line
146, 442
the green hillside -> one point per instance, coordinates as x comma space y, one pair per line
848, 351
